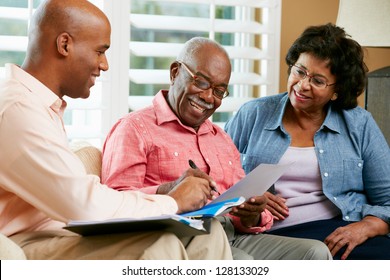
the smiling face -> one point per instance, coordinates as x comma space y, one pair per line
191, 104
67, 45
304, 95
87, 59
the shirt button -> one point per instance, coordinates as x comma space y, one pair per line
347, 218
176, 154
360, 164
230, 163
326, 174
335, 198
321, 151
243, 158
207, 159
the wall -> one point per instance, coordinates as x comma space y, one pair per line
298, 14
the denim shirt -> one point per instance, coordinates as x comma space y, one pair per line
353, 155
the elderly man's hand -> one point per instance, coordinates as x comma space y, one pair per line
249, 211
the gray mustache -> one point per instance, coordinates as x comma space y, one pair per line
195, 98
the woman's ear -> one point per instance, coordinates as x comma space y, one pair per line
63, 41
334, 97
174, 71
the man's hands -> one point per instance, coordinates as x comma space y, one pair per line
191, 191
249, 211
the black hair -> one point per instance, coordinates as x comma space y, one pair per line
344, 55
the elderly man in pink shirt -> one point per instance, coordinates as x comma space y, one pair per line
152, 146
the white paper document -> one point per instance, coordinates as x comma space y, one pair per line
256, 183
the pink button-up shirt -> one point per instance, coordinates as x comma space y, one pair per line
43, 184
149, 147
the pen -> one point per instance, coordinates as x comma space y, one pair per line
193, 166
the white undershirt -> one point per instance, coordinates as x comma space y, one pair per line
301, 185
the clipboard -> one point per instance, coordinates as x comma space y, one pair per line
176, 224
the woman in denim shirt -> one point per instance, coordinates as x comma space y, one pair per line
338, 187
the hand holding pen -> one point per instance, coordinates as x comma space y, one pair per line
191, 191
193, 166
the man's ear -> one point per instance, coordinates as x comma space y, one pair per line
64, 41
174, 71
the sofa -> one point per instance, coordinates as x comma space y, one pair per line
9, 250
92, 160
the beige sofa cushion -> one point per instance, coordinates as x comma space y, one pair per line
90, 156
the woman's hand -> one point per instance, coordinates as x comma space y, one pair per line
355, 234
249, 211
277, 206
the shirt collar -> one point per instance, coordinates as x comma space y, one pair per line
49, 98
274, 123
164, 114
331, 121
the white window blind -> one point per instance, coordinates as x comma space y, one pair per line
248, 29
146, 37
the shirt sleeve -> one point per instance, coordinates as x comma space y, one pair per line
375, 172
39, 167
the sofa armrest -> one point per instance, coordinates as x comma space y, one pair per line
9, 250
90, 156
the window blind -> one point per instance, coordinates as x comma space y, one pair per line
249, 30
146, 37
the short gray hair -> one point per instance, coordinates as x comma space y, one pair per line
192, 46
